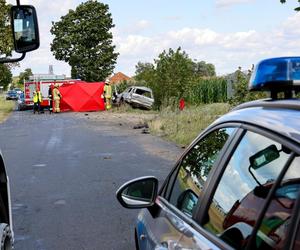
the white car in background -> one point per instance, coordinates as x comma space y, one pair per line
136, 96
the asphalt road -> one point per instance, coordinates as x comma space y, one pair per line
64, 171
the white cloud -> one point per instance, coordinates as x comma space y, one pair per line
142, 24
197, 36
226, 50
228, 3
291, 27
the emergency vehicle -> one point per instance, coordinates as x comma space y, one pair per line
43, 86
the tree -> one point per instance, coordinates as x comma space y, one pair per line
82, 38
144, 73
174, 73
205, 69
172, 76
6, 41
296, 9
5, 75
25, 75
241, 90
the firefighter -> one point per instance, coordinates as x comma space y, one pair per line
107, 94
50, 95
37, 99
56, 97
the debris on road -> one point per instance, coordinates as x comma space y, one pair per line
139, 126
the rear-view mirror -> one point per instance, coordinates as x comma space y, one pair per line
25, 28
264, 157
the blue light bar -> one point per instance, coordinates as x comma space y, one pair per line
276, 74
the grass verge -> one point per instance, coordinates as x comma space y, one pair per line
182, 127
5, 108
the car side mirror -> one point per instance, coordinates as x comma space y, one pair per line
187, 201
25, 28
138, 193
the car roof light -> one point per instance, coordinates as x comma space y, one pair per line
280, 74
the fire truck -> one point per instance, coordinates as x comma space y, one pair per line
43, 86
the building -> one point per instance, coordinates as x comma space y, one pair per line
47, 77
118, 78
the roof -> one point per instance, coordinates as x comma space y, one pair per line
118, 77
281, 116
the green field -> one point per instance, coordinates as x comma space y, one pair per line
5, 108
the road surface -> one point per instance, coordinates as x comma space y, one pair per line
64, 171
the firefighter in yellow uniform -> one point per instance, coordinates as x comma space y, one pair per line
107, 95
37, 99
56, 97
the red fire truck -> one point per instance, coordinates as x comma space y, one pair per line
30, 87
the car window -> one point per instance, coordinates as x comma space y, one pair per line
194, 169
243, 188
143, 92
274, 228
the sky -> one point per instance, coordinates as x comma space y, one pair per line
226, 33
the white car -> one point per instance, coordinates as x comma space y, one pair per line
140, 97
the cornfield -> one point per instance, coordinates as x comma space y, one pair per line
210, 90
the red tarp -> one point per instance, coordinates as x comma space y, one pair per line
82, 96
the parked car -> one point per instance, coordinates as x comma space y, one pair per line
237, 185
11, 95
21, 102
18, 90
140, 97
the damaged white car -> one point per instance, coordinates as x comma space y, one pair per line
138, 97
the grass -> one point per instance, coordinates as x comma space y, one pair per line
5, 108
182, 127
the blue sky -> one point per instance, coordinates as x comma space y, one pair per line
227, 33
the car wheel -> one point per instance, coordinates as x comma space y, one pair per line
6, 239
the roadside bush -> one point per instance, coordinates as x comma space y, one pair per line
5, 108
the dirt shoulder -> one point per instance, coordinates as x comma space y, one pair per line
132, 124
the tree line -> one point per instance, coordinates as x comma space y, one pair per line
83, 39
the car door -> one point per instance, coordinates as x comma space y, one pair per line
142, 97
162, 226
250, 200
126, 94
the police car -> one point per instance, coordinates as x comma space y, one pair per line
237, 185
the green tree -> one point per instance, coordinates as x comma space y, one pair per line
173, 74
6, 41
241, 90
144, 72
205, 69
24, 76
296, 9
83, 39
5, 75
